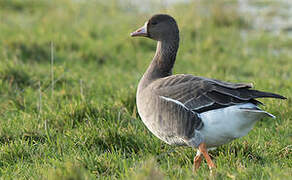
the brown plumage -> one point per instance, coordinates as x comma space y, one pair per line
201, 94
190, 110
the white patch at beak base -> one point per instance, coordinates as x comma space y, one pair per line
141, 31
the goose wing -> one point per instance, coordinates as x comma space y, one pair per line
202, 94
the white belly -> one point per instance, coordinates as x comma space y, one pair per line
223, 125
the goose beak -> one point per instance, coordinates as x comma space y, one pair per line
141, 31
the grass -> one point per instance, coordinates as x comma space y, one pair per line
89, 127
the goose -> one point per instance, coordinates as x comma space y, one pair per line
188, 110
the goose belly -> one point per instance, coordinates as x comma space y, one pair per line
226, 124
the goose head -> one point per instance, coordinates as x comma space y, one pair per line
160, 27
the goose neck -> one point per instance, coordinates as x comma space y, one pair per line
163, 60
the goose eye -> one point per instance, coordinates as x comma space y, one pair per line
153, 23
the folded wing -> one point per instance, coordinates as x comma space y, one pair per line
202, 94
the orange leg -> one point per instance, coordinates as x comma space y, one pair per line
197, 161
204, 151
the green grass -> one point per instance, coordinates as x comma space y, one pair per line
88, 126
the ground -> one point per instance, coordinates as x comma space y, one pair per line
68, 77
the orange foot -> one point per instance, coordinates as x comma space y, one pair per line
197, 161
204, 151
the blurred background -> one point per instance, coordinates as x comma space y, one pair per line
69, 72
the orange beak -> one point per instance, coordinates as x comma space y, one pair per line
140, 32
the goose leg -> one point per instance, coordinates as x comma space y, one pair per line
204, 151
197, 161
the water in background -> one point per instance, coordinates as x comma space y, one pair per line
274, 15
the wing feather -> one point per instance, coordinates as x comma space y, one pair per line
201, 94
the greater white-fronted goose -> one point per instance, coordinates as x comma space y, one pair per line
188, 110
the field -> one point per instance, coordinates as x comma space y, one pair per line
68, 77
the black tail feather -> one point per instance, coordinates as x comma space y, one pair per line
261, 94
